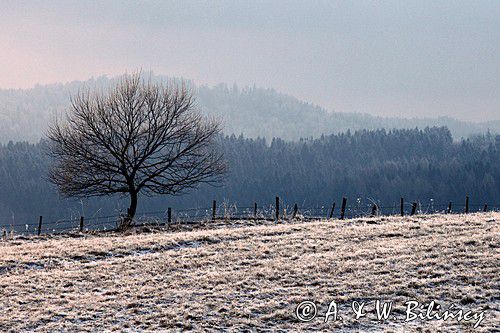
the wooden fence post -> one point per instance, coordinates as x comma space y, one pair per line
81, 223
277, 209
449, 207
214, 209
169, 216
414, 208
374, 210
467, 205
39, 225
342, 210
255, 210
485, 209
332, 210
402, 207
295, 210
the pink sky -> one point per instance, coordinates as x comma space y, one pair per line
385, 58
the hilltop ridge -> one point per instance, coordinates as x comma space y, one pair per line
252, 111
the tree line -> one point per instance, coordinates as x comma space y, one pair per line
418, 164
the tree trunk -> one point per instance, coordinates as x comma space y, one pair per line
129, 219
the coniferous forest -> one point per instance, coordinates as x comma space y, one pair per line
365, 166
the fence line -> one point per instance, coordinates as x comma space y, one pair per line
277, 212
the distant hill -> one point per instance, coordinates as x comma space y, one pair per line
252, 111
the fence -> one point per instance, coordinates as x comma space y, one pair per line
225, 212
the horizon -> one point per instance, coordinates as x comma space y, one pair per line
242, 87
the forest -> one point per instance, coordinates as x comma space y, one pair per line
366, 166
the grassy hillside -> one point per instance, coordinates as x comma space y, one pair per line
252, 277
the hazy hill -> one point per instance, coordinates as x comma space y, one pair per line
24, 114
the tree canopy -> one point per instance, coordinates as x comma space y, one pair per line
139, 137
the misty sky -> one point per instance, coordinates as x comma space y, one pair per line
391, 58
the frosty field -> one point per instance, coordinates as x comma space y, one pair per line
251, 278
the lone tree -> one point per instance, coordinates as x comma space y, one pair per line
139, 137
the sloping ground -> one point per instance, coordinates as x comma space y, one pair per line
252, 278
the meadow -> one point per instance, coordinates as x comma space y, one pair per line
251, 276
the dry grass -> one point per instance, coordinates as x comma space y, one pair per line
251, 278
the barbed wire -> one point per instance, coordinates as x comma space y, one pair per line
234, 212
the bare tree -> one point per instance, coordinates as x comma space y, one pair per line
139, 137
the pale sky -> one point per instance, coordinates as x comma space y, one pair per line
390, 58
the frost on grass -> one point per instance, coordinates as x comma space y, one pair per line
251, 277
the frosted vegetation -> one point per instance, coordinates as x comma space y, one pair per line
381, 165
239, 279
